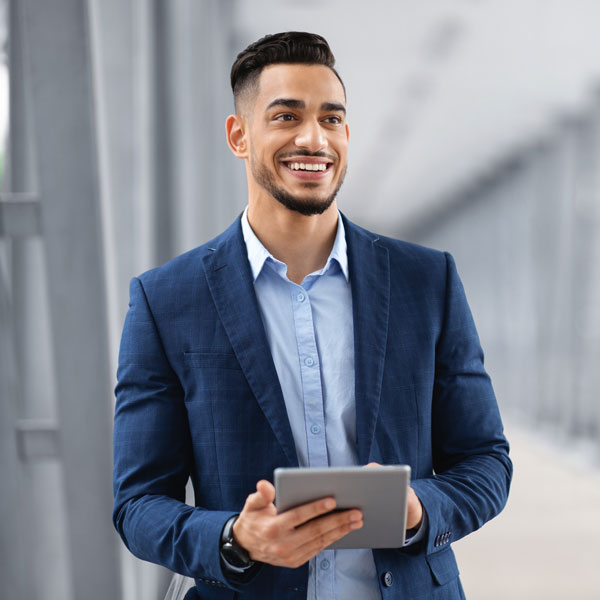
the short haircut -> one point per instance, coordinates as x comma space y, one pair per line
290, 47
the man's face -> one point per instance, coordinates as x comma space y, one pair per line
298, 136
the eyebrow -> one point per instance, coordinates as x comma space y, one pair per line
336, 106
299, 104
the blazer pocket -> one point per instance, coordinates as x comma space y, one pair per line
211, 360
443, 566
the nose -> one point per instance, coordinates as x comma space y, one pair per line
311, 136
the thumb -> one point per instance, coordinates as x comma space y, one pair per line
267, 490
264, 495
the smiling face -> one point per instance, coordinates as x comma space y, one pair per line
297, 137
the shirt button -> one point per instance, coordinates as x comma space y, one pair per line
309, 362
324, 564
315, 429
300, 297
387, 579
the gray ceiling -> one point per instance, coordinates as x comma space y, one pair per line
440, 91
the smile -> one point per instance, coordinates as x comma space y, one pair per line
308, 170
306, 166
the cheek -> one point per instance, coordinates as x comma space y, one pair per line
260, 156
257, 160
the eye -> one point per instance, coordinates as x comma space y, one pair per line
335, 120
285, 117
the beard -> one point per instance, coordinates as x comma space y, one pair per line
307, 206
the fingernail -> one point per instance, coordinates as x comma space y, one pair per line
355, 516
329, 504
356, 525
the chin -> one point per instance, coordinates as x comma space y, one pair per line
305, 206
305, 203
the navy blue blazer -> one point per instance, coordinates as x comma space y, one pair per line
198, 397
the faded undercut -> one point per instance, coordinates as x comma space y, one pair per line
290, 47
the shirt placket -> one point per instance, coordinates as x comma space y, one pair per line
314, 420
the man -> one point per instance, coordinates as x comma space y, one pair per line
298, 338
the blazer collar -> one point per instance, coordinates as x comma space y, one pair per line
231, 284
370, 280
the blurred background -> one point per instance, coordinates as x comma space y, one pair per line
475, 128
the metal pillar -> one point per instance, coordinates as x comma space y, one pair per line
32, 548
56, 35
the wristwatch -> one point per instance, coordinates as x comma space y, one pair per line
235, 557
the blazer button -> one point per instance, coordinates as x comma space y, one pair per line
387, 579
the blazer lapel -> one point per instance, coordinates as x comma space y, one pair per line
369, 268
230, 281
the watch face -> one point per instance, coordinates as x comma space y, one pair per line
233, 557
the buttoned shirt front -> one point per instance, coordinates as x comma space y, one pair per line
310, 332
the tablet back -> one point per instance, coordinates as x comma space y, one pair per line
379, 492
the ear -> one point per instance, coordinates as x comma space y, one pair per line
235, 128
347, 132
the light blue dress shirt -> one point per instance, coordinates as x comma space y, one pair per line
310, 332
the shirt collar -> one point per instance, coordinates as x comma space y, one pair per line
258, 254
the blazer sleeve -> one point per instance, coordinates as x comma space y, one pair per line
472, 470
153, 457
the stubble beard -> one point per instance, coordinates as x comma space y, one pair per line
305, 206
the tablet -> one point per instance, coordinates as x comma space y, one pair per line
381, 494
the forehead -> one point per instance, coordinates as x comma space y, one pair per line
314, 84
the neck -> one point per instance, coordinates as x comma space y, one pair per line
302, 242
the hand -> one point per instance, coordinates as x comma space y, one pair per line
414, 514
293, 537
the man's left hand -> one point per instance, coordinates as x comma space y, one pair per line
414, 515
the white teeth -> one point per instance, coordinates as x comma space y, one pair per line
308, 166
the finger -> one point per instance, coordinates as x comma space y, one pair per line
373, 464
303, 546
301, 514
263, 497
326, 535
414, 513
321, 526
267, 490
255, 502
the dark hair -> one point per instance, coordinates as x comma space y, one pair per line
290, 47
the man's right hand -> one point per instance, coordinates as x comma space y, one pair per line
293, 537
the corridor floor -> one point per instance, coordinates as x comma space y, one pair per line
546, 543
